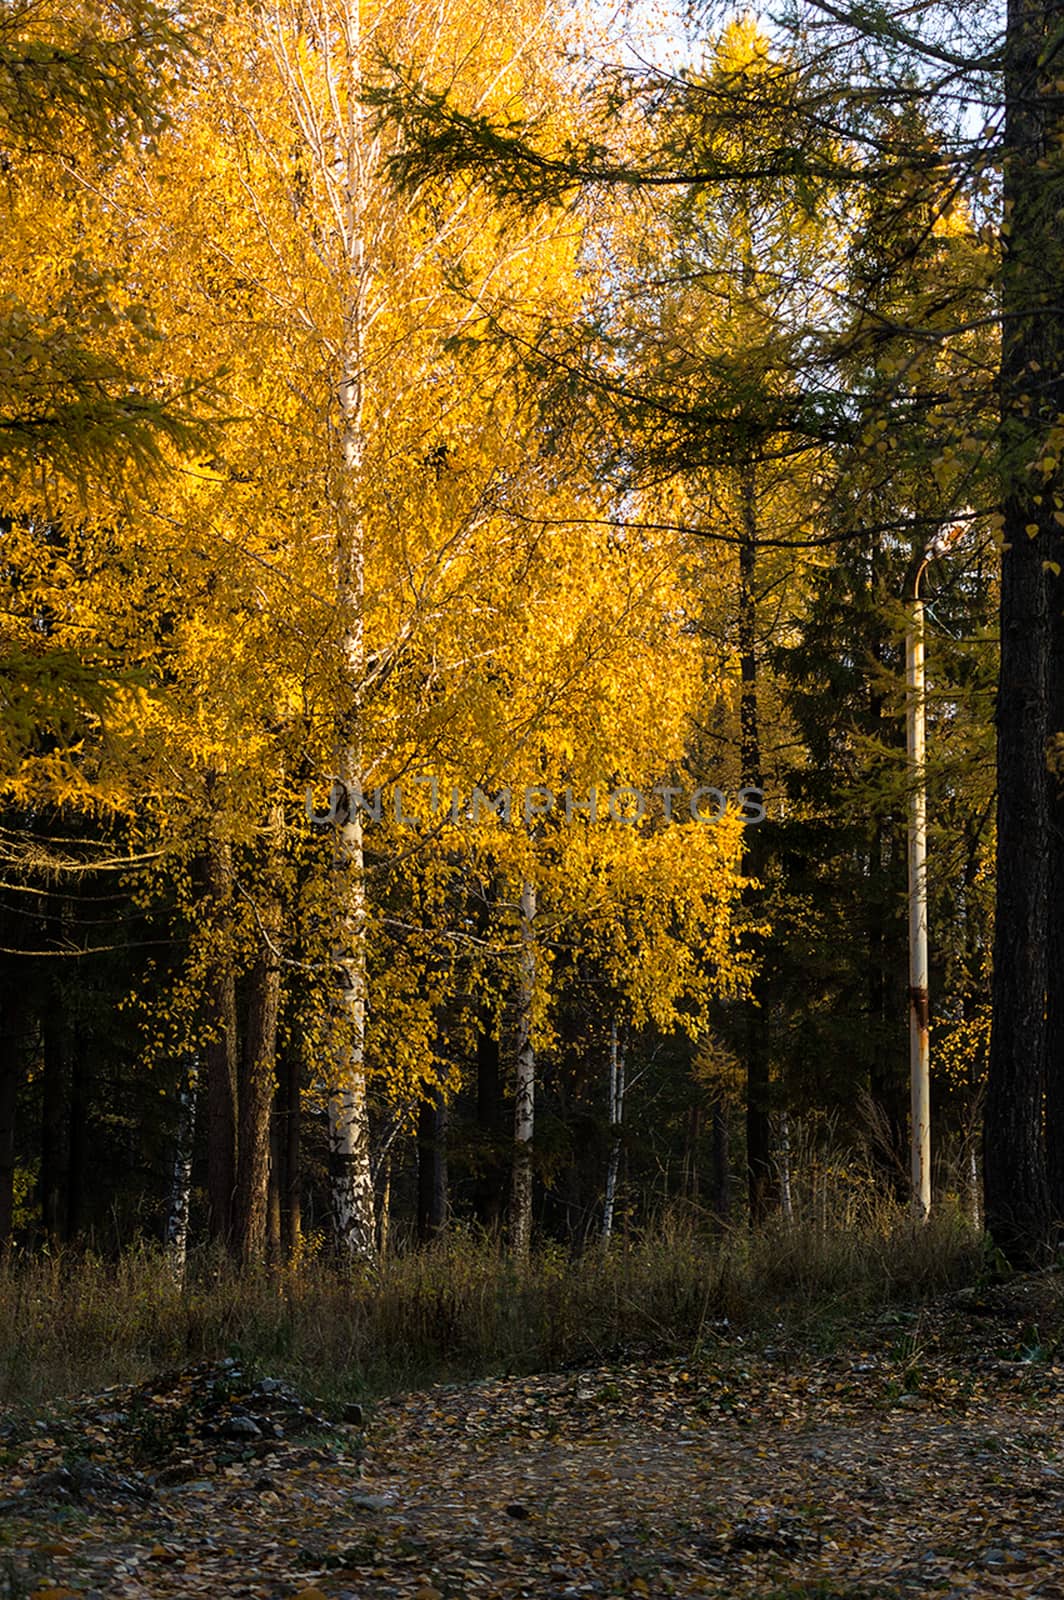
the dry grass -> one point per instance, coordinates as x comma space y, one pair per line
73, 1323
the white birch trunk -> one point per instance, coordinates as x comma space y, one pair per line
525, 1095
786, 1197
616, 1115
181, 1175
321, 49
349, 1152
349, 161
972, 1184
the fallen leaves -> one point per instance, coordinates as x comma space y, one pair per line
924, 1458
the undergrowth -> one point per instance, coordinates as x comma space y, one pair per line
75, 1322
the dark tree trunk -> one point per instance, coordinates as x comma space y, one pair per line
1054, 1062
292, 1196
761, 1172
426, 1140
887, 1084
761, 1177
1049, 330
440, 1194
721, 1169
692, 1143
11, 1018
52, 1185
220, 1052
489, 1195
80, 1059
888, 1081
274, 1226
432, 1165
1017, 1198
53, 1128
258, 1069
1013, 1151
255, 1100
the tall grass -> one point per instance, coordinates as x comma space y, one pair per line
73, 1322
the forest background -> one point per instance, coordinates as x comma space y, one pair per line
403, 406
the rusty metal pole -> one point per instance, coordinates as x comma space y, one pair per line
919, 1021
915, 726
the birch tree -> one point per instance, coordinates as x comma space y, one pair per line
377, 249
319, 53
179, 1201
615, 1112
336, 309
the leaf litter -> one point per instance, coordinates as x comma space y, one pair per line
923, 1459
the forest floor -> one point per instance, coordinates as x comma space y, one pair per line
921, 1454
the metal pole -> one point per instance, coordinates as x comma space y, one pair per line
919, 1041
919, 1015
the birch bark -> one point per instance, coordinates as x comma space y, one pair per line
366, 288
181, 1176
348, 1111
616, 1113
784, 1161
349, 1150
318, 48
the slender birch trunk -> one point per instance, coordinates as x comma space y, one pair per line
349, 1150
616, 1115
326, 100
321, 50
974, 1191
525, 1095
351, 1179
177, 1211
786, 1198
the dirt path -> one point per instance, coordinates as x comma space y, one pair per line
760, 1475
